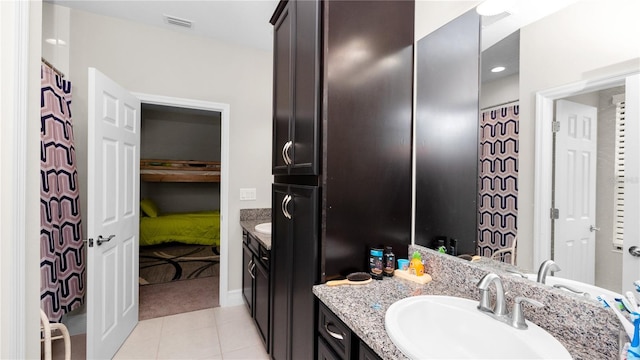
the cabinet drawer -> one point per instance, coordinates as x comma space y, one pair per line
365, 353
335, 332
325, 352
264, 256
252, 243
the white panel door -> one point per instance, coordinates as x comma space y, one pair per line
575, 190
631, 264
112, 214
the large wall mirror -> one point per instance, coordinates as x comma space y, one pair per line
577, 41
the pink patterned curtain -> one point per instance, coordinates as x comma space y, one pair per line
498, 183
62, 252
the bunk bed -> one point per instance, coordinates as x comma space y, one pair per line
158, 170
200, 227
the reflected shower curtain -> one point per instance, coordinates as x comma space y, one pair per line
62, 256
498, 179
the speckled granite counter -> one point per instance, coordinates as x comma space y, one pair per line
585, 329
249, 218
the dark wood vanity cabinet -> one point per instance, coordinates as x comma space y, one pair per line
295, 88
337, 342
256, 282
342, 126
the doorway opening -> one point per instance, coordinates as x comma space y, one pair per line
179, 254
591, 256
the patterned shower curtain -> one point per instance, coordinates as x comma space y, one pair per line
498, 183
62, 252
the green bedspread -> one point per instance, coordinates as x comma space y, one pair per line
202, 228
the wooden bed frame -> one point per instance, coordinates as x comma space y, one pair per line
162, 170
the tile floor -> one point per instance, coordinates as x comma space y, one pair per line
217, 333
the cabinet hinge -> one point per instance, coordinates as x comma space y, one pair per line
555, 127
555, 213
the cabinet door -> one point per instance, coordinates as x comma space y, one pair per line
282, 86
294, 270
305, 127
247, 278
296, 70
280, 273
261, 304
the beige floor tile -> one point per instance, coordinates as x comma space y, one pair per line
200, 343
187, 321
140, 349
256, 352
235, 335
231, 314
146, 329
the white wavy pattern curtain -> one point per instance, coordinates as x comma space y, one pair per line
62, 252
498, 180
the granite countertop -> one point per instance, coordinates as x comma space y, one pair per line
249, 226
363, 307
583, 326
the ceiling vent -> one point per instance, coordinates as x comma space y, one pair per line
172, 20
492, 19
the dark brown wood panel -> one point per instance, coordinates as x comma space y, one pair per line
367, 120
447, 133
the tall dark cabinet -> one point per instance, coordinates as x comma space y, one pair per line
447, 111
447, 85
342, 100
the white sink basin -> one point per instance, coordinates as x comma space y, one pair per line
264, 228
445, 327
592, 290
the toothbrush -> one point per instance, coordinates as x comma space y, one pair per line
629, 305
626, 324
637, 285
632, 300
620, 303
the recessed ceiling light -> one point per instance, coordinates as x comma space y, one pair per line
498, 69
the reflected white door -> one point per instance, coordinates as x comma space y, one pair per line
631, 264
113, 214
575, 190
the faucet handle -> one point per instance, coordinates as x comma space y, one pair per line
517, 316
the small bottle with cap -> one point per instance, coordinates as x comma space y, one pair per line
389, 261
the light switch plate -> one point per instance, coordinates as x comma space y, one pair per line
247, 194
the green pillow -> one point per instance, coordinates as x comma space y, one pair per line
149, 208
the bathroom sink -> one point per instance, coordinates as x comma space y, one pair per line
264, 228
592, 291
445, 327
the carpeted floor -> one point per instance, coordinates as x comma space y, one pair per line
177, 297
170, 262
177, 278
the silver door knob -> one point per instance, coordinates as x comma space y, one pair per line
634, 251
593, 228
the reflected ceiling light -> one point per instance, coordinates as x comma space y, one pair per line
56, 42
498, 69
491, 7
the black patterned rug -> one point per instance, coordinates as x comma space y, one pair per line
171, 262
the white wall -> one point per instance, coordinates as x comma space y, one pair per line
499, 91
587, 40
431, 15
20, 32
156, 61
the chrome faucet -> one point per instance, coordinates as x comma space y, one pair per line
500, 307
546, 267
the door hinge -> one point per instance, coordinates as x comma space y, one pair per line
555, 213
555, 126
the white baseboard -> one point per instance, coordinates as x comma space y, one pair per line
234, 298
